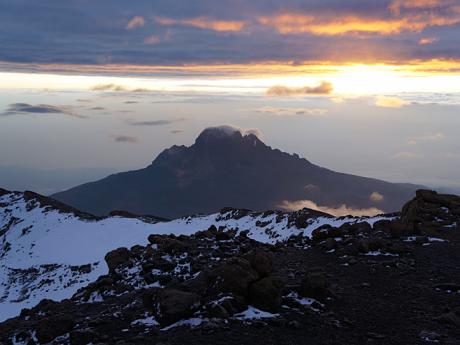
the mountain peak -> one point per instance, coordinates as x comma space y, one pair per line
213, 134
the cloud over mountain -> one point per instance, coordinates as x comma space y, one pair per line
324, 88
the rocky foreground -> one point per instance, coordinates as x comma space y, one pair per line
395, 282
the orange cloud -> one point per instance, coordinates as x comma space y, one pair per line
397, 5
322, 89
389, 102
427, 40
295, 23
376, 197
152, 40
342, 210
135, 22
204, 23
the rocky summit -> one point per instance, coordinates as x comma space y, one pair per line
225, 167
387, 280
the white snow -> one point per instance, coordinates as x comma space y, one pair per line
253, 313
40, 236
379, 253
193, 322
305, 301
147, 321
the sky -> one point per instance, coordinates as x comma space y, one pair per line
89, 88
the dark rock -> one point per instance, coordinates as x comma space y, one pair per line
396, 248
217, 311
400, 229
261, 261
314, 285
266, 294
117, 257
82, 337
175, 305
450, 318
233, 277
329, 244
450, 287
234, 304
50, 328
421, 239
294, 324
223, 236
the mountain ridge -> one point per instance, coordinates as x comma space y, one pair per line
222, 278
44, 243
225, 167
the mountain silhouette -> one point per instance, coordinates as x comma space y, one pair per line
228, 168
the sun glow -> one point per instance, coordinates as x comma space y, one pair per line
348, 79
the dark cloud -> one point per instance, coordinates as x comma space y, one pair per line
125, 139
228, 31
176, 131
154, 122
25, 108
118, 88
324, 88
131, 102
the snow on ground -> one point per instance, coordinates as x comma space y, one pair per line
42, 250
192, 323
254, 314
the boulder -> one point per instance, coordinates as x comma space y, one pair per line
314, 285
233, 277
329, 244
175, 305
117, 257
53, 327
261, 261
266, 294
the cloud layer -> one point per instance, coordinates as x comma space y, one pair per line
26, 108
324, 88
182, 32
342, 210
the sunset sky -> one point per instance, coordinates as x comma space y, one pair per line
370, 87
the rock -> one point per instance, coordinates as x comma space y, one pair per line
173, 246
352, 249
321, 233
233, 277
329, 244
294, 324
261, 261
215, 310
175, 305
449, 287
234, 304
430, 336
117, 257
314, 285
363, 246
266, 294
375, 244
82, 337
421, 239
400, 229
223, 236
396, 248
50, 328
450, 318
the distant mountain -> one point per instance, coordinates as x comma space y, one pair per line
227, 168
